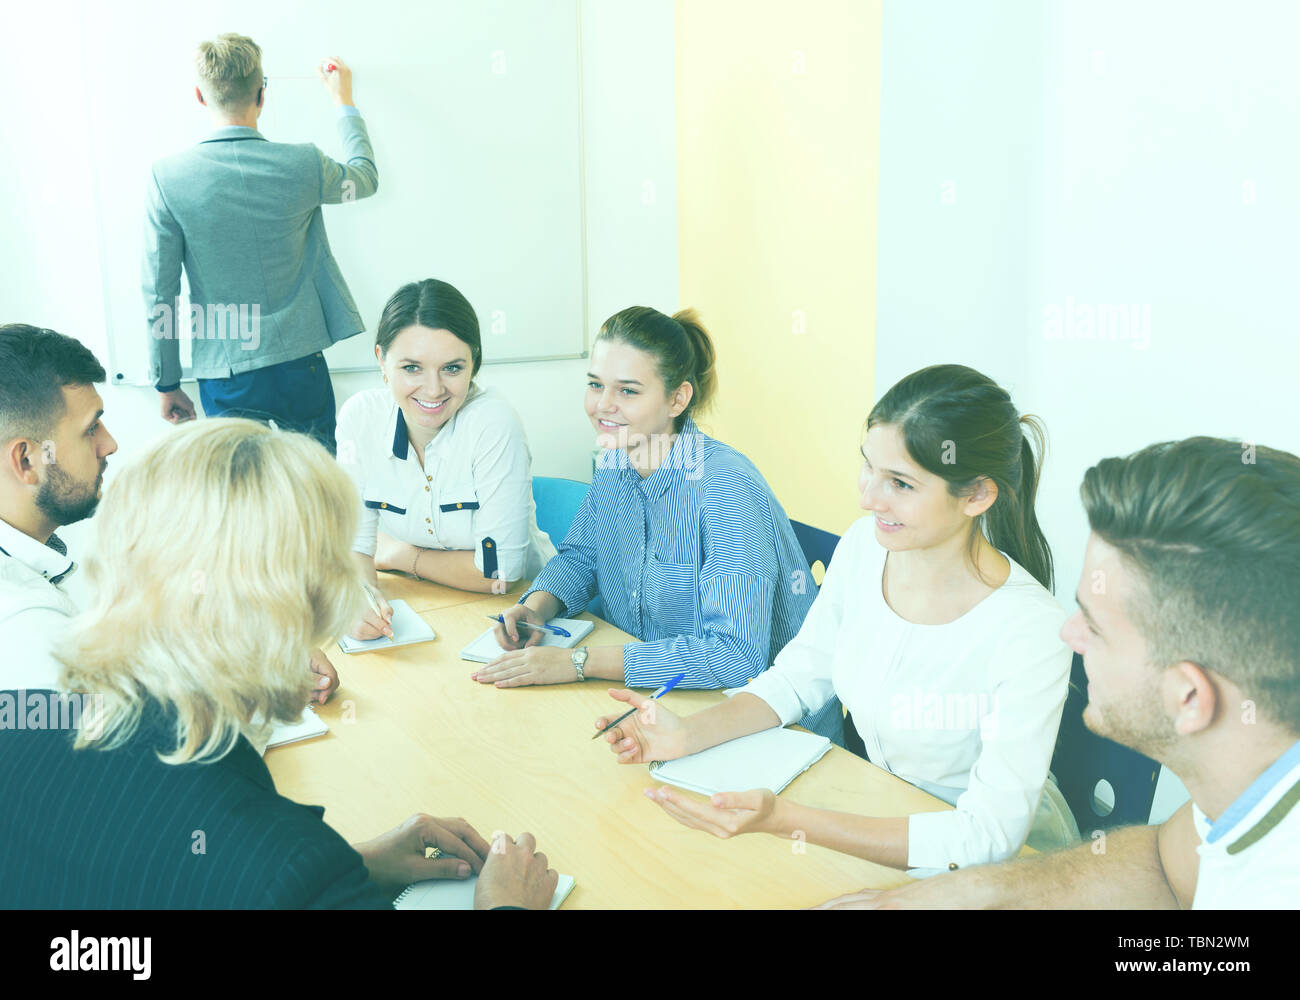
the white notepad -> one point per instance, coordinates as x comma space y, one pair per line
408, 628
458, 894
485, 648
309, 726
770, 759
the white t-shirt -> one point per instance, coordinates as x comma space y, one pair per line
967, 711
34, 611
474, 491
1250, 857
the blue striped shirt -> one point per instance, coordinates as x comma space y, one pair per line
698, 560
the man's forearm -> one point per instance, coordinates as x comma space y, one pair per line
1121, 871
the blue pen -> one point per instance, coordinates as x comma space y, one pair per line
662, 691
553, 629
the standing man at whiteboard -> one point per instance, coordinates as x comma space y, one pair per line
243, 215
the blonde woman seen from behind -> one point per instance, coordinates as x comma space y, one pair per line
206, 596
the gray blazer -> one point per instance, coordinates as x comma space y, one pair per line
244, 216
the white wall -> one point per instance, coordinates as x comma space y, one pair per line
1095, 153
50, 266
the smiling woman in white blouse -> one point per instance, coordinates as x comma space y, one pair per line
934, 626
442, 466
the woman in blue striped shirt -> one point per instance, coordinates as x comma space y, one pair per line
679, 535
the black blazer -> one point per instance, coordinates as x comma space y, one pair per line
119, 829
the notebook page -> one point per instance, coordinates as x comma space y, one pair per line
770, 759
408, 627
308, 726
485, 648
458, 894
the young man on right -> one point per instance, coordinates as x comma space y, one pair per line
1189, 628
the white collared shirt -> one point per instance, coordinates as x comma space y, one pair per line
967, 711
474, 491
1249, 855
34, 611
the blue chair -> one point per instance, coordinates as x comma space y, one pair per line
818, 546
557, 502
1083, 760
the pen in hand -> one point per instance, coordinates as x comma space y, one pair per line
662, 691
385, 628
553, 629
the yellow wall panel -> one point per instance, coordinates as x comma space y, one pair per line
778, 113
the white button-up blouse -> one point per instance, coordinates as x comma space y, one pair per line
474, 491
967, 711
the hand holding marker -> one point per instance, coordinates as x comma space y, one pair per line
662, 691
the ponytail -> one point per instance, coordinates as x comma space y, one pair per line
704, 375
680, 346
1012, 523
961, 426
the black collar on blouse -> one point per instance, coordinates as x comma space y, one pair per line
401, 442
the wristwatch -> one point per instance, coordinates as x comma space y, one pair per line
579, 658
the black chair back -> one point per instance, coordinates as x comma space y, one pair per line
1083, 761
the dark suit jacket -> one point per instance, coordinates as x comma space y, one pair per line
119, 829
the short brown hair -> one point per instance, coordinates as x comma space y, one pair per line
230, 71
1212, 528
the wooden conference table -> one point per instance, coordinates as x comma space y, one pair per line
410, 732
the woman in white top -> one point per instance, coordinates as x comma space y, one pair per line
442, 466
935, 629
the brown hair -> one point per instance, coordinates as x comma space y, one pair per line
230, 71
681, 347
434, 304
1212, 528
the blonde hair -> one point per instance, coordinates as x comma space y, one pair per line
222, 559
230, 71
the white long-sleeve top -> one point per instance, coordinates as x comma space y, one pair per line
967, 711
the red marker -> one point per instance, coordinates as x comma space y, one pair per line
330, 67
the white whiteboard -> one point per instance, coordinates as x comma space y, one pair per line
474, 111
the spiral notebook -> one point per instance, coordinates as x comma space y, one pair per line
770, 759
485, 648
408, 628
458, 894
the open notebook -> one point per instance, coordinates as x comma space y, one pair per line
458, 894
408, 628
485, 648
770, 759
309, 726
